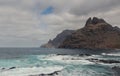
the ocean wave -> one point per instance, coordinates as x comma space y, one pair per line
70, 59
30, 71
57, 65
111, 54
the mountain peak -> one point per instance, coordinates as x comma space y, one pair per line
97, 34
94, 21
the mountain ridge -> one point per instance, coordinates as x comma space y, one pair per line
96, 34
58, 39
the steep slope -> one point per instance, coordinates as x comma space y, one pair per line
96, 34
58, 39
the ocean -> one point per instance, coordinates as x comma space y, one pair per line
58, 62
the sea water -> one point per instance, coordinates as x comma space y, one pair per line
69, 62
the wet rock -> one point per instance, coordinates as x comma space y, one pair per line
116, 69
50, 74
84, 55
12, 68
2, 68
62, 54
103, 61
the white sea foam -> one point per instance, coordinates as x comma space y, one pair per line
75, 59
70, 65
30, 71
63, 57
111, 54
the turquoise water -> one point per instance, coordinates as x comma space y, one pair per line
70, 65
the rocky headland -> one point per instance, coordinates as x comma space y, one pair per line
55, 43
96, 34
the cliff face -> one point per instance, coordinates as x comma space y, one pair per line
96, 33
58, 39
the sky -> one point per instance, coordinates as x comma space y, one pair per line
30, 23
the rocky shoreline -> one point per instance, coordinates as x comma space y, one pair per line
50, 74
88, 57
103, 61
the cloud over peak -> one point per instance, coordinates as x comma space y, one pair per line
30, 23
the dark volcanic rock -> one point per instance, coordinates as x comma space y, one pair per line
116, 69
58, 39
50, 74
89, 21
96, 34
95, 20
103, 61
84, 55
12, 68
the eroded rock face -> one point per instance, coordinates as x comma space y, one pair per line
58, 39
95, 20
96, 34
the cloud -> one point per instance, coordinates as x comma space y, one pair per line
87, 7
29, 23
18, 27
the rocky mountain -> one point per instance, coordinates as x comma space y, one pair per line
96, 34
58, 39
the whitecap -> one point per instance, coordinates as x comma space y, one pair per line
111, 54
30, 71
